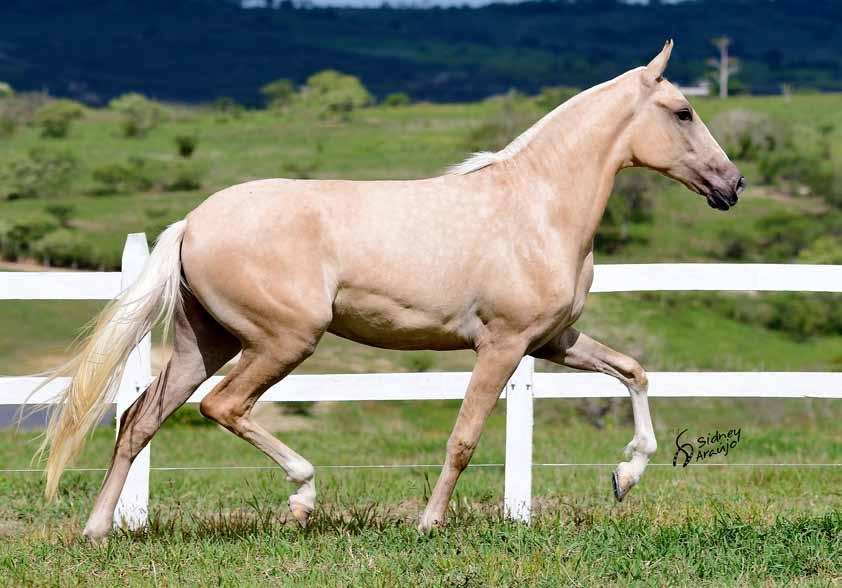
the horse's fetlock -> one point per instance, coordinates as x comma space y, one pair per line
646, 444
300, 471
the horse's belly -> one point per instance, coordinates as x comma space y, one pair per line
382, 321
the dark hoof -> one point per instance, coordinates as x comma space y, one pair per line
618, 494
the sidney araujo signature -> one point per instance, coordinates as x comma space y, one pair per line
703, 447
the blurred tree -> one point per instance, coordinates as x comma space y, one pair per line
279, 93
62, 213
54, 117
226, 105
39, 174
140, 114
725, 65
6, 90
396, 99
186, 144
335, 93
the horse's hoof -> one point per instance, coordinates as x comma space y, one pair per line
428, 523
621, 486
95, 537
300, 511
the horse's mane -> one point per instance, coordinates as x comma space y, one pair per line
478, 161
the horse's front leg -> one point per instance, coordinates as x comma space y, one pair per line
577, 350
494, 366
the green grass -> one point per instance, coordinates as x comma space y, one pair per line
678, 527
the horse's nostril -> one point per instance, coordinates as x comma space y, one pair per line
741, 185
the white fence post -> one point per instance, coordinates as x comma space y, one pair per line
133, 506
517, 501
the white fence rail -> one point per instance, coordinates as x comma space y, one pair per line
525, 385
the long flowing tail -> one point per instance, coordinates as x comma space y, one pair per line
98, 367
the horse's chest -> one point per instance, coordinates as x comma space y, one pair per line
561, 301
583, 286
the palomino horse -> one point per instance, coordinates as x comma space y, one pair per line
494, 256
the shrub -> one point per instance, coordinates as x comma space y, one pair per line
279, 93
186, 144
745, 134
41, 173
183, 178
227, 106
336, 94
140, 114
65, 248
6, 90
137, 174
804, 316
22, 107
552, 96
54, 117
18, 237
397, 99
62, 213
783, 236
827, 249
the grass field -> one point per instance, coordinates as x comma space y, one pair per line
681, 526
705, 525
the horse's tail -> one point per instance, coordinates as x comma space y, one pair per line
98, 367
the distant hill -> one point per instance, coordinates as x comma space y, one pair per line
197, 50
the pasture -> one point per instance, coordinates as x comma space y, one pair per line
680, 526
700, 525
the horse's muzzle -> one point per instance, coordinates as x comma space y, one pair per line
726, 199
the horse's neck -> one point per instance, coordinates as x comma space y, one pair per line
577, 153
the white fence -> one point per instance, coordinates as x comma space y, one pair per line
525, 385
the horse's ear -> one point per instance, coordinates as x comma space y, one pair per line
655, 70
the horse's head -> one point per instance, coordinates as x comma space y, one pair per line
668, 136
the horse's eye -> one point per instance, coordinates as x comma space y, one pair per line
684, 114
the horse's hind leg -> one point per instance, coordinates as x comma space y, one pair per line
201, 346
231, 402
